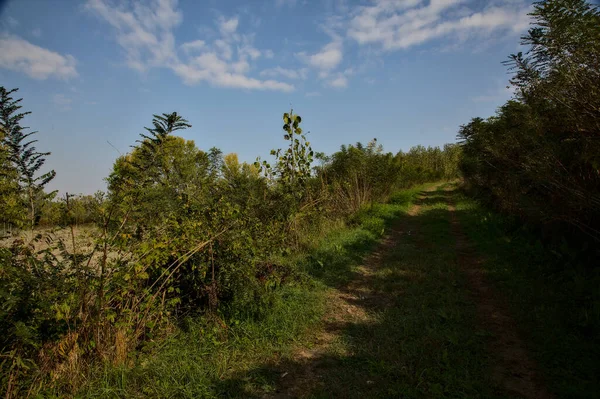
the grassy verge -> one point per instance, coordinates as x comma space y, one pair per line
555, 301
202, 360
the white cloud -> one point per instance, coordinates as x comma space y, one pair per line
340, 79
192, 75
62, 102
327, 60
250, 51
269, 54
192, 46
329, 57
339, 82
301, 73
37, 32
145, 33
228, 26
400, 24
224, 48
39, 63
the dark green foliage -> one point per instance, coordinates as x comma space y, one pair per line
82, 210
553, 296
25, 161
421, 164
539, 157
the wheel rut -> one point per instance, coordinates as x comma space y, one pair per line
512, 370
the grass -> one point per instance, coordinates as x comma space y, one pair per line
194, 362
202, 360
554, 299
419, 339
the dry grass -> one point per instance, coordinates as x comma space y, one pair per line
84, 242
47, 236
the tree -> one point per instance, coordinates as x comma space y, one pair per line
25, 160
293, 165
562, 66
538, 158
151, 145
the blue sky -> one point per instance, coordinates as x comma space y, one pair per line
405, 71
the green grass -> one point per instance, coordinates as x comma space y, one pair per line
194, 362
420, 341
554, 298
204, 361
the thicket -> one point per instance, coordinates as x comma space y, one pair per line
180, 233
538, 158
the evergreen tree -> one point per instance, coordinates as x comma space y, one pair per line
24, 162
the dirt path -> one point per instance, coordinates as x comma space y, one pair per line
346, 306
513, 370
417, 320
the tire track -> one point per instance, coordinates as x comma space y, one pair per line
513, 369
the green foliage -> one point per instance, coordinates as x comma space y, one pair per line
538, 158
25, 162
421, 164
358, 175
180, 233
292, 166
10, 202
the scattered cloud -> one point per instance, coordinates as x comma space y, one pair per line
227, 56
325, 61
339, 82
210, 68
37, 32
402, 24
287, 73
62, 102
145, 33
313, 94
228, 26
37, 62
329, 57
195, 45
